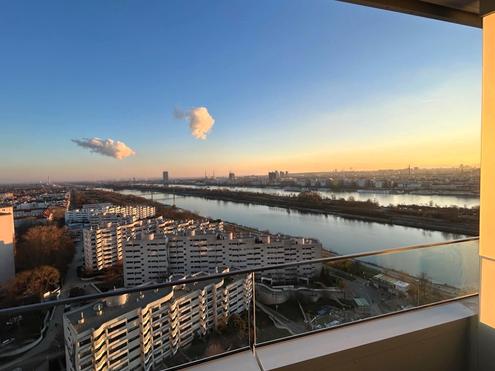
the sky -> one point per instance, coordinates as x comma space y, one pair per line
117, 89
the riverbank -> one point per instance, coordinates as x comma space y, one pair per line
445, 219
94, 196
168, 212
341, 190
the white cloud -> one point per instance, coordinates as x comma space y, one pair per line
106, 147
200, 121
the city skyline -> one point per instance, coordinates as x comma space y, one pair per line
212, 174
303, 93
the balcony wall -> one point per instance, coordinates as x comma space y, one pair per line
438, 338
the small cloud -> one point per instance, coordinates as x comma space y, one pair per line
106, 147
200, 121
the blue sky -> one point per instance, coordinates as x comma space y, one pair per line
297, 85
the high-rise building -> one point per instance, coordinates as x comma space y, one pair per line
272, 176
7, 233
153, 257
145, 259
165, 177
138, 331
92, 214
203, 252
103, 242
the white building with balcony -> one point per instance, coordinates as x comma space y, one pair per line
94, 213
145, 259
103, 243
196, 252
148, 257
138, 331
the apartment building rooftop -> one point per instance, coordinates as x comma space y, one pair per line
93, 315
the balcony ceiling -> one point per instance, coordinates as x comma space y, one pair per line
466, 12
472, 6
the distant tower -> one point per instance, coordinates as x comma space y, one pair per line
409, 168
165, 177
7, 266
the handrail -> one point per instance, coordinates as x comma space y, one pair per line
117, 292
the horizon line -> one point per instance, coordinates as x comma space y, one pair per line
349, 170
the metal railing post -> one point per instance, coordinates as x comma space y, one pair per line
253, 305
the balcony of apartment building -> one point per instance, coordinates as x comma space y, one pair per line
414, 316
452, 334
413, 308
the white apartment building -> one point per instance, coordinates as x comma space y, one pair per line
193, 252
93, 213
7, 237
138, 331
103, 243
149, 257
145, 259
98, 206
80, 217
106, 218
153, 248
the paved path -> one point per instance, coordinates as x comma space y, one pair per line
282, 322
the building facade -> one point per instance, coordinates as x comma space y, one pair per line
103, 243
92, 213
203, 252
152, 257
145, 259
7, 238
139, 331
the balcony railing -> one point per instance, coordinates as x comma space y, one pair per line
271, 304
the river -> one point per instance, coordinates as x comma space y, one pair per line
382, 198
455, 264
